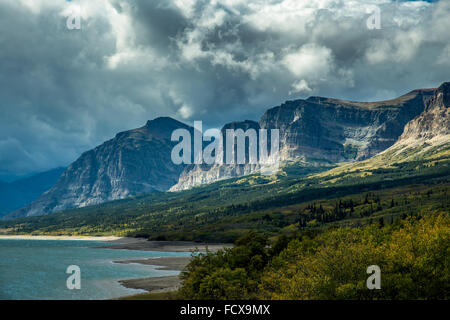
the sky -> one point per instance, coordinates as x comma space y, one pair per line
64, 91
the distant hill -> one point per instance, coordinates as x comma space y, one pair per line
19, 193
3, 210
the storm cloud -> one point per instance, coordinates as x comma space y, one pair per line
65, 91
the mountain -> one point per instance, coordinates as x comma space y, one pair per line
315, 132
425, 139
409, 178
321, 130
427, 136
133, 162
19, 193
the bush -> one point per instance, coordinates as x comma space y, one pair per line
414, 258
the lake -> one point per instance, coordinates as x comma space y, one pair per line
36, 269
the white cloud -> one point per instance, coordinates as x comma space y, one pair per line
300, 86
310, 61
185, 112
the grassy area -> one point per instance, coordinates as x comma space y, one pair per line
226, 210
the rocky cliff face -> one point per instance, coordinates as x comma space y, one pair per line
337, 130
197, 174
434, 121
135, 161
319, 130
428, 132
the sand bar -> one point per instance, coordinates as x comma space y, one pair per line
157, 284
162, 284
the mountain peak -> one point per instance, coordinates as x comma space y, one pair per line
160, 121
164, 125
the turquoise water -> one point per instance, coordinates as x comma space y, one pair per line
36, 269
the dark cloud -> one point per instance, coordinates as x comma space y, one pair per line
64, 91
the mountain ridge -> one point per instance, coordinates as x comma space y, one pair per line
315, 131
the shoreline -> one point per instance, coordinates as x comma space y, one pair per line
128, 243
162, 284
81, 238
